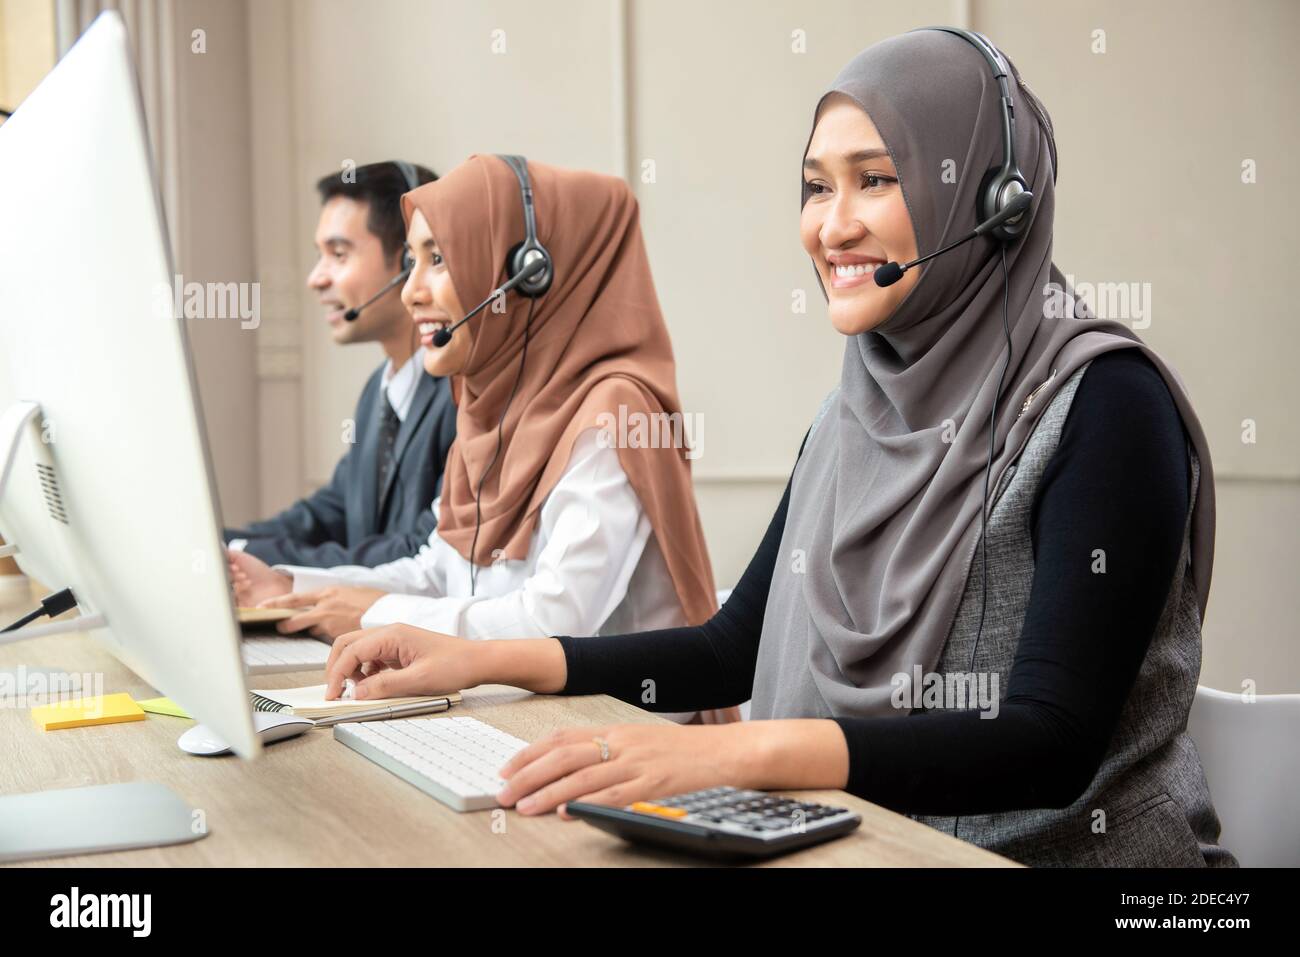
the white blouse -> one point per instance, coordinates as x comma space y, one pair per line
593, 567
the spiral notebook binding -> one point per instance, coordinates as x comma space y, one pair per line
263, 703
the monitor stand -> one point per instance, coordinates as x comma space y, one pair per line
86, 820
93, 820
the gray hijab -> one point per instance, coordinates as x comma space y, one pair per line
884, 515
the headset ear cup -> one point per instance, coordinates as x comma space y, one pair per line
515, 262
992, 186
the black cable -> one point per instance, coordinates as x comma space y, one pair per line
478, 506
51, 605
25, 620
988, 468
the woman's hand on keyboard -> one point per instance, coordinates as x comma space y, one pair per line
401, 660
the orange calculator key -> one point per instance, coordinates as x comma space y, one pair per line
646, 807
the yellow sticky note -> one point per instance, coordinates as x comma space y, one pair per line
84, 712
164, 706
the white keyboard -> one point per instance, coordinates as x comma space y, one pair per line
266, 656
452, 759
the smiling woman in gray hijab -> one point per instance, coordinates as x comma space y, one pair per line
1018, 673
886, 503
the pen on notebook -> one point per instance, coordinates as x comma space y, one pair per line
391, 711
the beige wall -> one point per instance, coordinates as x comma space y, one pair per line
214, 226
27, 47
1152, 135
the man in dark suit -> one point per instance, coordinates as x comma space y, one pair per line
376, 508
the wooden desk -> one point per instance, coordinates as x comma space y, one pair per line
301, 803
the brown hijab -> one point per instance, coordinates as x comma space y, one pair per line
597, 342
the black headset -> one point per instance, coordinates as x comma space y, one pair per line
531, 249
405, 263
532, 287
412, 179
408, 173
1003, 202
1001, 184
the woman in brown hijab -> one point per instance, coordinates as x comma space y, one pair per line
593, 351
551, 520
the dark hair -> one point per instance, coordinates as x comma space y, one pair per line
381, 185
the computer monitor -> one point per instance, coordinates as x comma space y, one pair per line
111, 491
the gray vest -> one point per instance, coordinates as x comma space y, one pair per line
1148, 804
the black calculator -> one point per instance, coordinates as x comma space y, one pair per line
723, 822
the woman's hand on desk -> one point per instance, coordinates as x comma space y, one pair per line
253, 580
645, 761
649, 761
330, 612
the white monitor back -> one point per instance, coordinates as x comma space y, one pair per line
127, 518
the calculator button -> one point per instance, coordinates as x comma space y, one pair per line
645, 807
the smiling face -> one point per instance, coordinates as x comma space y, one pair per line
351, 268
855, 219
431, 299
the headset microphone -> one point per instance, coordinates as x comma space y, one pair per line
531, 269
397, 280
890, 273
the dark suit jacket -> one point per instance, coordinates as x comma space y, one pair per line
350, 521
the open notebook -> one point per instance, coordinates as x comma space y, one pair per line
310, 702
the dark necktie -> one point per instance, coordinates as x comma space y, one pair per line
389, 423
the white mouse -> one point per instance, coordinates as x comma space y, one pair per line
269, 726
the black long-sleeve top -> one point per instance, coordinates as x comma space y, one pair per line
1119, 481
